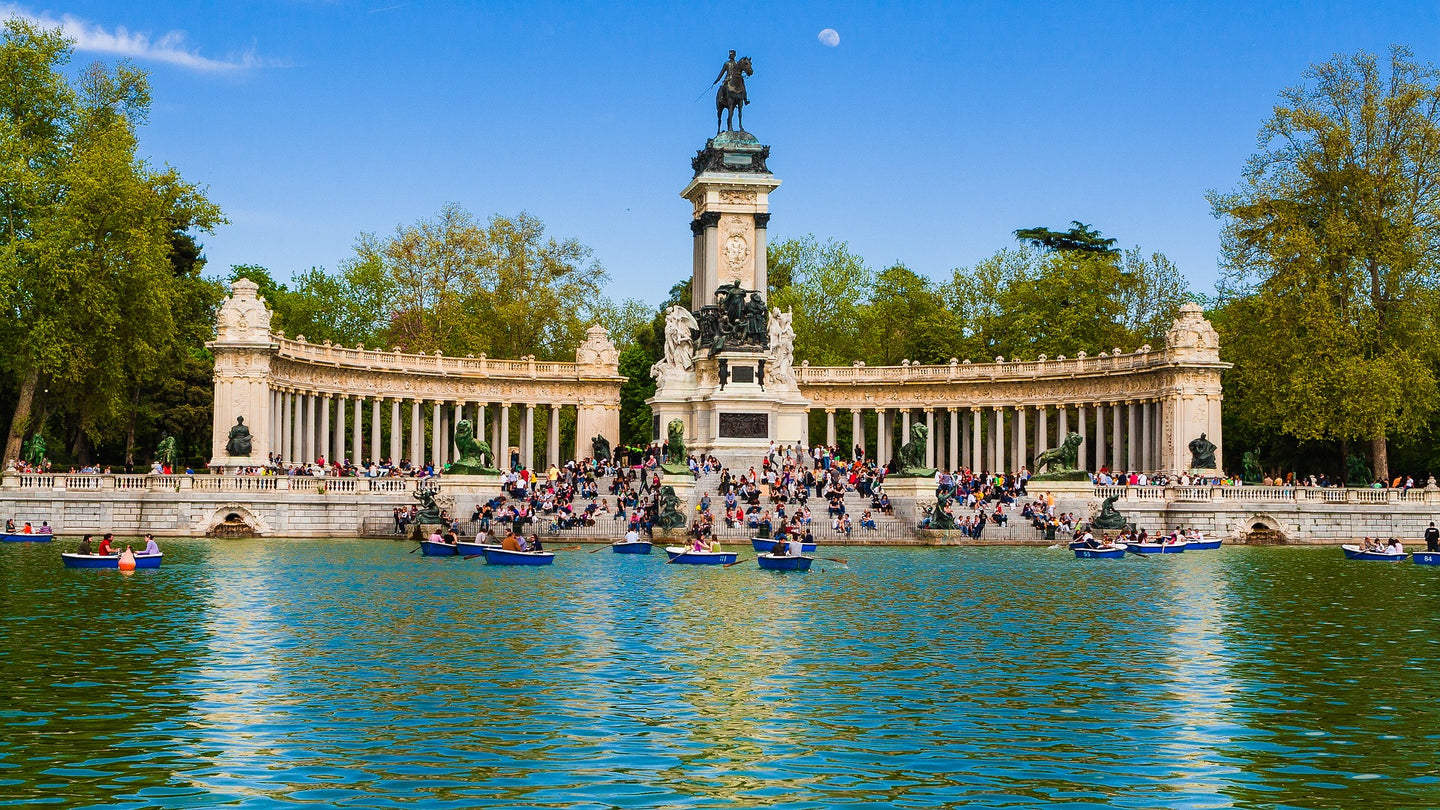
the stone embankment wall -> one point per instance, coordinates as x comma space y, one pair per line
182, 505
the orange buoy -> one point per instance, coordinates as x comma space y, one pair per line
127, 560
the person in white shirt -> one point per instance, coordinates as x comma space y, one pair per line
1395, 547
632, 536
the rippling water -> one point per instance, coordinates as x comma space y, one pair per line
259, 673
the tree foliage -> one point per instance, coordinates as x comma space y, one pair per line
95, 257
1330, 249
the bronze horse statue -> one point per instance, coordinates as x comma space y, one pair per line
731, 99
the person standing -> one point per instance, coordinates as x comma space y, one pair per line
1432, 538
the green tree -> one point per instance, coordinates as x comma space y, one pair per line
1081, 238
827, 289
87, 230
1330, 249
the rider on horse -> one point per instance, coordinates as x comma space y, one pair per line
731, 96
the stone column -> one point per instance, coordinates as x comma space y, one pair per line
375, 430
762, 269
287, 427
929, 437
829, 427
975, 443
997, 441
357, 441
881, 456
1063, 428
552, 441
1085, 451
340, 404
954, 435
480, 423
396, 433
1146, 433
1020, 437
276, 433
857, 430
1100, 460
502, 447
527, 437
307, 428
437, 444
1132, 449
417, 433
1116, 460
1042, 432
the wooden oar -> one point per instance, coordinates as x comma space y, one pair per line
737, 562
569, 548
417, 548
840, 560
471, 556
602, 548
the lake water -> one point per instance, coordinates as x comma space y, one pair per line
260, 673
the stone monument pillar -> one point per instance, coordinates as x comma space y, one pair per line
728, 371
1192, 406
243, 351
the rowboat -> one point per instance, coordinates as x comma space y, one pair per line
1426, 558
1203, 545
764, 544
430, 548
1113, 553
679, 555
1158, 548
20, 537
499, 556
109, 560
1357, 553
471, 549
626, 547
784, 562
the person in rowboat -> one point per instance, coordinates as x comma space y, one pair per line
105, 542
1395, 547
632, 536
511, 542
85, 546
10, 526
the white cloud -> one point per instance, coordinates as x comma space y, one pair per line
169, 48
829, 37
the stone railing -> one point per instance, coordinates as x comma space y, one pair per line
396, 361
1260, 494
959, 371
202, 483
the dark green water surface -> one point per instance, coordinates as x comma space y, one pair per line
267, 673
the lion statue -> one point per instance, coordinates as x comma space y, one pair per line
911, 458
1062, 459
676, 462
476, 457
600, 448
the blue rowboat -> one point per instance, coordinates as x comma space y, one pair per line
764, 545
1426, 558
471, 549
109, 560
1158, 548
499, 556
18, 537
637, 547
430, 548
1357, 553
1114, 553
679, 555
784, 562
1203, 545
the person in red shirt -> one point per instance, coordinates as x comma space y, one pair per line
105, 545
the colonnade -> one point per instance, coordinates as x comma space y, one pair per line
309, 425
1119, 436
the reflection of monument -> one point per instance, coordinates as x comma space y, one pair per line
728, 371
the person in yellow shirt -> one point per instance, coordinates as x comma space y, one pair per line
553, 474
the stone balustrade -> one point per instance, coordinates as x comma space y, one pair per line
362, 359
959, 371
1262, 495
81, 482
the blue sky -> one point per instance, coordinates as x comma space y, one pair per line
927, 135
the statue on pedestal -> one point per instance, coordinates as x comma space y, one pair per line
912, 454
731, 97
476, 457
670, 516
782, 343
1061, 463
429, 509
680, 333
1202, 454
239, 443
676, 462
1109, 517
600, 448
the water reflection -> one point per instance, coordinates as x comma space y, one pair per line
263, 671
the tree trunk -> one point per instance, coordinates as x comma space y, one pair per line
21, 421
81, 449
1344, 462
1380, 458
130, 430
